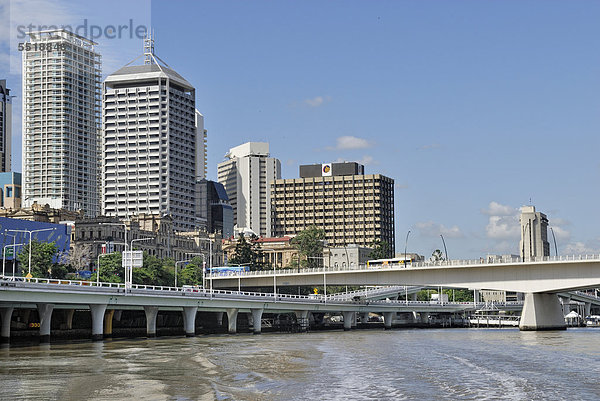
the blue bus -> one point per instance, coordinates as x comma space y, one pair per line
228, 270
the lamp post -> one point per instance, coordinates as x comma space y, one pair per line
129, 269
30, 237
554, 237
203, 262
406, 243
180, 261
98, 267
445, 250
4, 258
209, 263
523, 240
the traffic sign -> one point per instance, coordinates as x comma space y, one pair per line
133, 259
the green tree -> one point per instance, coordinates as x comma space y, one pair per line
437, 256
381, 250
309, 244
111, 268
191, 273
42, 254
247, 253
155, 271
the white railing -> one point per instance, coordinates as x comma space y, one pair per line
425, 264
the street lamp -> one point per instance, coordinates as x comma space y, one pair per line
4, 257
30, 237
98, 267
523, 241
445, 250
555, 247
209, 262
203, 263
180, 261
129, 271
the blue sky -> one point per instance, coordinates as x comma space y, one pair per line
473, 108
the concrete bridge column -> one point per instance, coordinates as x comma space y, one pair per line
348, 320
189, 320
256, 320
542, 312
97, 321
118, 314
68, 313
220, 318
6, 314
588, 308
353, 325
45, 312
151, 314
108, 323
387, 320
302, 318
232, 320
364, 317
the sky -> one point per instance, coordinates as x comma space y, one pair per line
473, 108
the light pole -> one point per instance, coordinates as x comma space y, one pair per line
555, 247
98, 267
209, 263
405, 243
203, 263
30, 237
180, 261
445, 250
523, 240
129, 269
4, 258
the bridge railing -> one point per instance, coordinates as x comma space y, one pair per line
424, 264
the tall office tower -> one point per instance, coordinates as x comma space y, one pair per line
5, 127
213, 211
150, 142
246, 176
201, 147
534, 233
61, 112
351, 207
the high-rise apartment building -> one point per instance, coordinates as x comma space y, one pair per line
246, 176
153, 142
5, 127
61, 112
534, 234
350, 206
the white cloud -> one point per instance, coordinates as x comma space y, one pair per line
580, 248
431, 229
497, 209
560, 233
366, 160
503, 227
351, 142
317, 101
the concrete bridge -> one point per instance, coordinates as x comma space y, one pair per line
105, 299
541, 280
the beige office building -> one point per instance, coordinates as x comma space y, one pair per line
351, 207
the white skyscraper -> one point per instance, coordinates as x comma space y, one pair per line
61, 111
246, 176
153, 149
534, 233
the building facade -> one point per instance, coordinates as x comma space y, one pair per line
350, 208
246, 176
213, 211
151, 146
534, 234
10, 190
61, 111
5, 127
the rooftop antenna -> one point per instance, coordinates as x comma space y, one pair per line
148, 48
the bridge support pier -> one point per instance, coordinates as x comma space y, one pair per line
353, 325
189, 320
364, 317
302, 319
219, 318
97, 321
6, 318
108, 323
232, 320
542, 312
348, 320
256, 320
151, 314
68, 313
387, 320
588, 309
45, 312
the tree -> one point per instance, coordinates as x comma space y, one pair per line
111, 269
42, 255
191, 273
310, 245
155, 271
436, 256
79, 256
247, 255
381, 250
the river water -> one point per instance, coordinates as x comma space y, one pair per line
446, 364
